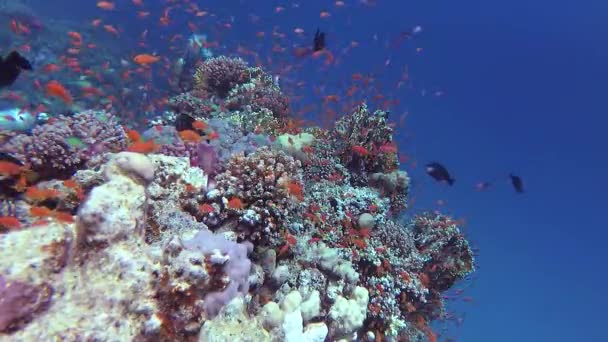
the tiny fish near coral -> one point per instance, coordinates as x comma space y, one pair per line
145, 59
56, 89
10, 222
144, 147
189, 136
360, 150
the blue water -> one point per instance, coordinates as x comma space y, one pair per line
521, 90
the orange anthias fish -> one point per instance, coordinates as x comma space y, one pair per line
143, 147
133, 135
54, 88
213, 135
63, 216
360, 150
51, 68
190, 136
9, 222
46, 212
9, 169
36, 194
200, 125
105, 5
40, 212
145, 59
75, 36
111, 29
70, 184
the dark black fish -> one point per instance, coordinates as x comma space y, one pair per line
7, 157
184, 122
319, 41
10, 68
518, 184
439, 173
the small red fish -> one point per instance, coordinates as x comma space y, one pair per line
145, 59
189, 136
36, 194
200, 125
111, 29
206, 208
40, 212
14, 26
105, 5
56, 89
144, 147
9, 169
133, 135
10, 222
360, 150
64, 217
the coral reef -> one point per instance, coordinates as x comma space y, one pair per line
258, 229
60, 147
260, 194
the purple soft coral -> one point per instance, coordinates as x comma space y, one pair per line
204, 156
237, 267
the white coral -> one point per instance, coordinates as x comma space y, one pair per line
347, 315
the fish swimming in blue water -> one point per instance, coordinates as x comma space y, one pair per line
517, 182
10, 68
319, 41
439, 173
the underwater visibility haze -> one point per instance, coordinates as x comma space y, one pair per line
348, 170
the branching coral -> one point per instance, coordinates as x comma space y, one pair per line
194, 106
449, 255
219, 75
261, 190
258, 93
363, 139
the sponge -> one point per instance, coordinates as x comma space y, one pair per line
236, 266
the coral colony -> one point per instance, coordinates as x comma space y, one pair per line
225, 221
